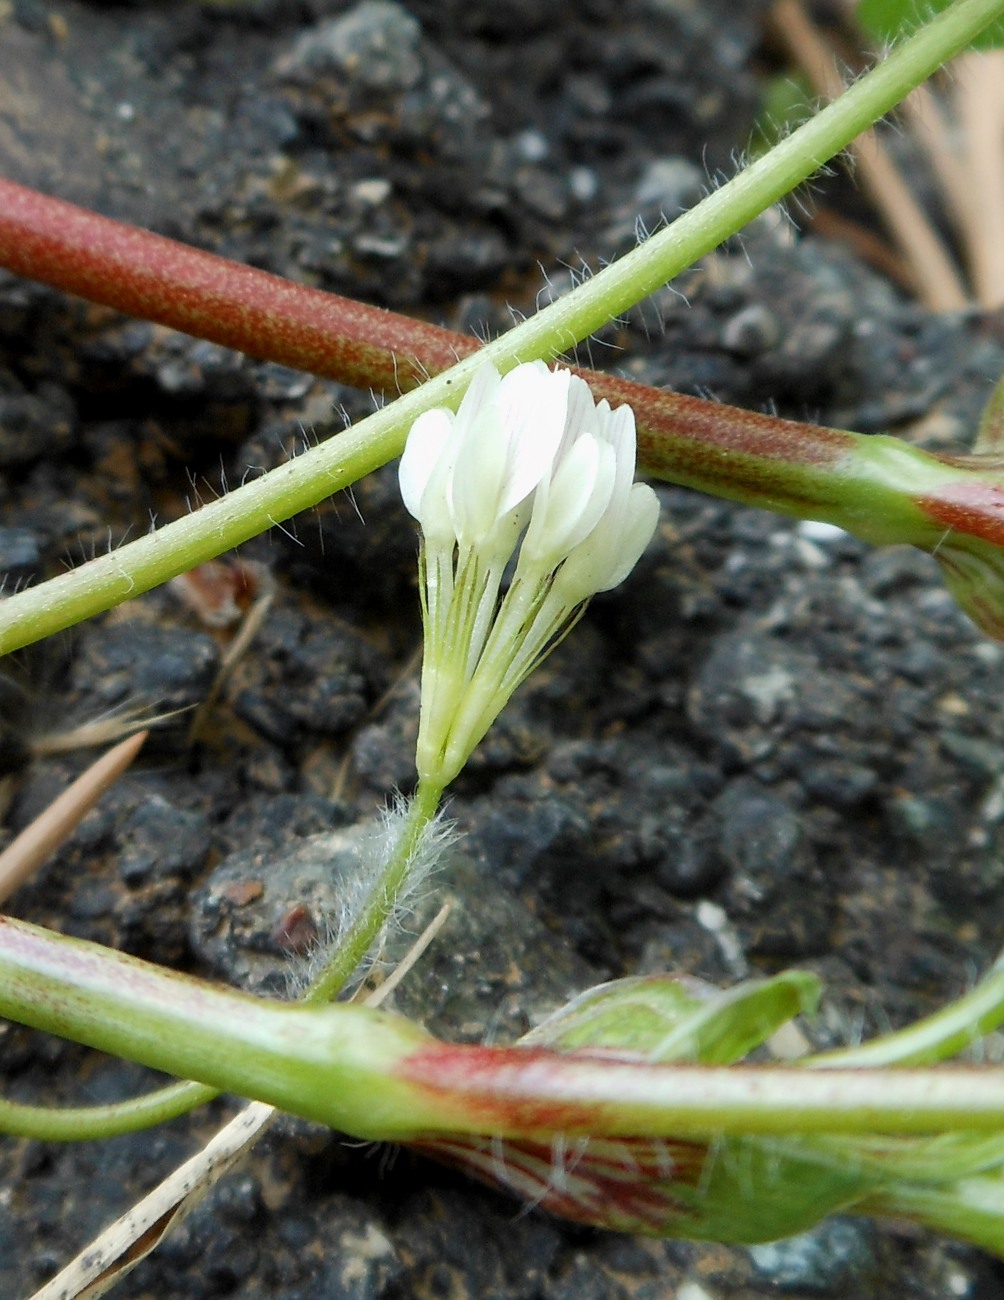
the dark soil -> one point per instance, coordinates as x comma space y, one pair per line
773, 746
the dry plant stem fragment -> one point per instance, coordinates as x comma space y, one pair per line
960, 123
979, 100
128, 1241
37, 842
935, 276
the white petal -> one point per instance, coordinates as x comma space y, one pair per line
473, 463
423, 455
506, 445
582, 410
478, 478
589, 509
612, 549
618, 429
641, 520
575, 501
482, 391
532, 404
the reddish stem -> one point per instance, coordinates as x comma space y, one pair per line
158, 279
879, 488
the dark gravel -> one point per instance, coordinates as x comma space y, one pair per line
772, 746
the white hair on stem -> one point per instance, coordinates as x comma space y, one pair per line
357, 890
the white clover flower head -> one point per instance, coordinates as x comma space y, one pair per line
526, 454
465, 474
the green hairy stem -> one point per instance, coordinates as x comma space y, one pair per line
376, 1075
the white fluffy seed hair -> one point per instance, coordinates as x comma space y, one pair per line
374, 850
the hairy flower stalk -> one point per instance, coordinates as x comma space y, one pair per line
528, 467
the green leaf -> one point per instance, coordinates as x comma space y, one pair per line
756, 1190
675, 1018
972, 1209
887, 21
786, 102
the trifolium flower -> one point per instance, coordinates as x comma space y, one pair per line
529, 463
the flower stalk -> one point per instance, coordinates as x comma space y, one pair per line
383, 901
